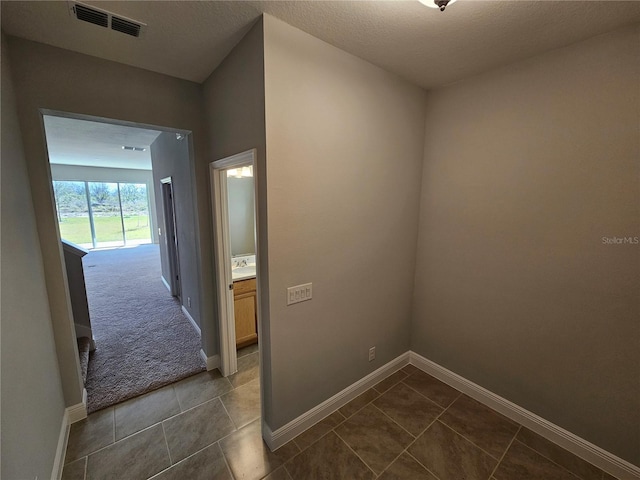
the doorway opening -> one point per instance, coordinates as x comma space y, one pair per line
234, 200
118, 225
169, 209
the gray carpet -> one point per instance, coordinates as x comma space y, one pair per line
143, 339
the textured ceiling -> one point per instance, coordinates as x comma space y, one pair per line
188, 39
81, 142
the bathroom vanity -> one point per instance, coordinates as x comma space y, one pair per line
244, 305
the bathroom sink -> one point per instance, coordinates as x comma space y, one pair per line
240, 273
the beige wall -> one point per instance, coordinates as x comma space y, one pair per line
50, 78
344, 160
170, 158
32, 398
234, 102
526, 168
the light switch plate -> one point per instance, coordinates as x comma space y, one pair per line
299, 293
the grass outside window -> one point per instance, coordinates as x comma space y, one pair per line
109, 229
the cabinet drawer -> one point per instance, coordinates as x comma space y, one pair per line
244, 286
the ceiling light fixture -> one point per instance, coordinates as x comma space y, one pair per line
240, 172
441, 4
134, 149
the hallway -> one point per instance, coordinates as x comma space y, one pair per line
143, 339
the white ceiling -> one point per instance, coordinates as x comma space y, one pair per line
81, 142
188, 39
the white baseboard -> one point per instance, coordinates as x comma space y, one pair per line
212, 362
578, 446
190, 318
166, 284
61, 450
72, 414
295, 427
78, 412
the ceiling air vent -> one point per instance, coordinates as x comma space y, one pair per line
125, 26
106, 19
90, 15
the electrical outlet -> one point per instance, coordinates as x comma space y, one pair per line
189, 302
299, 293
372, 354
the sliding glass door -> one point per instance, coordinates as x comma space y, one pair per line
73, 212
107, 217
103, 214
135, 212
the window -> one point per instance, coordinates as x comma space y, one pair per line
103, 214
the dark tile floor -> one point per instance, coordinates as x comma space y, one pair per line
409, 426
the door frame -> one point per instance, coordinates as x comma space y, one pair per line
221, 236
171, 234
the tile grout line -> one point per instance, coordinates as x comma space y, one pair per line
345, 419
166, 442
375, 475
234, 431
427, 428
391, 463
422, 433
471, 442
602, 472
161, 423
399, 381
370, 401
552, 461
504, 454
226, 462
468, 439
229, 415
184, 459
423, 466
321, 436
175, 392
284, 465
205, 401
435, 403
482, 449
121, 440
187, 410
396, 423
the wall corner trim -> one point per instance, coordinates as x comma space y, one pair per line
193, 322
78, 412
166, 284
589, 452
61, 450
212, 362
288, 432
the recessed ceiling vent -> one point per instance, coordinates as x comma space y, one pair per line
125, 26
106, 19
90, 15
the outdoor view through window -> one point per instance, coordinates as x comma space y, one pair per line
98, 214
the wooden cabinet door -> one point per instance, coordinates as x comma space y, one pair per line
245, 316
